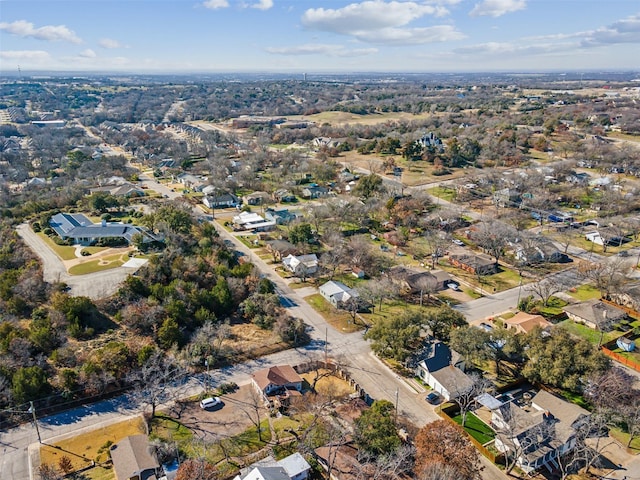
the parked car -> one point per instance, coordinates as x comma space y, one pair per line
453, 286
460, 243
210, 402
433, 398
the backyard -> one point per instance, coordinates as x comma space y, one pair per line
476, 428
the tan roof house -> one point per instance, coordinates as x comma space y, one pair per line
133, 460
523, 322
274, 380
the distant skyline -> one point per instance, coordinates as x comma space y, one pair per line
288, 36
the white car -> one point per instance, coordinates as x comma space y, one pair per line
210, 402
453, 286
458, 242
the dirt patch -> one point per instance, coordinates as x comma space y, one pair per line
231, 419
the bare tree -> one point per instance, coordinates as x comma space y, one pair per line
160, 380
253, 408
492, 237
608, 276
546, 288
465, 397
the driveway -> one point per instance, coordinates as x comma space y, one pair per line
93, 285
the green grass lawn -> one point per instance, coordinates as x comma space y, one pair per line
105, 263
446, 193
63, 251
476, 428
92, 250
623, 438
338, 319
585, 292
582, 331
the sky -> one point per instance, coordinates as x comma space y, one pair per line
200, 36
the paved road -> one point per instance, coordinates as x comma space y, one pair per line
93, 285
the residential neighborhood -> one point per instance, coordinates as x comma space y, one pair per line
259, 287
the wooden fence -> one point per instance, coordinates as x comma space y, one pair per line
621, 359
493, 457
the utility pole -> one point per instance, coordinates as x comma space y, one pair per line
397, 394
206, 384
32, 410
326, 345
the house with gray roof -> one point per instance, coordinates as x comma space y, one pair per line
133, 459
539, 433
595, 314
79, 229
441, 369
294, 466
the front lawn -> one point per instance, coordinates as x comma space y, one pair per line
476, 428
105, 263
338, 319
585, 292
589, 334
91, 446
65, 252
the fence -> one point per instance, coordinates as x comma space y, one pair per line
343, 374
621, 359
493, 457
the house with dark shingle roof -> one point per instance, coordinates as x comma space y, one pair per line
441, 369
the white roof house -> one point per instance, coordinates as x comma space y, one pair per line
337, 293
293, 467
301, 265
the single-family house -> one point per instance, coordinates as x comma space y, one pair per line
544, 252
412, 280
282, 216
476, 264
79, 229
314, 191
579, 178
252, 221
132, 459
337, 293
257, 198
226, 200
125, 189
302, 265
284, 196
607, 236
629, 297
190, 181
277, 384
340, 461
442, 369
595, 314
295, 468
523, 322
507, 198
280, 249
538, 434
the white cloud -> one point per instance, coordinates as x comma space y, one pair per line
28, 55
322, 49
379, 21
622, 31
497, 8
110, 43
215, 4
25, 29
263, 4
88, 53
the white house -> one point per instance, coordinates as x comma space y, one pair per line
252, 221
441, 369
337, 293
302, 265
293, 467
539, 434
